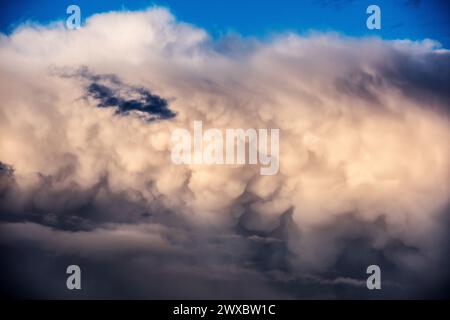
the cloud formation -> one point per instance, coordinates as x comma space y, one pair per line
364, 158
109, 92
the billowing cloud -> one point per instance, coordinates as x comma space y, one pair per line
364, 156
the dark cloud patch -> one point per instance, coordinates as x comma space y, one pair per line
152, 105
74, 208
239, 267
423, 77
6, 170
6, 180
110, 92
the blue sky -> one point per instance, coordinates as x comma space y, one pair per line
413, 19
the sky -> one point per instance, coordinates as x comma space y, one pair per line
87, 177
411, 19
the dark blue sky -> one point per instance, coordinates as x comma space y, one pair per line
413, 19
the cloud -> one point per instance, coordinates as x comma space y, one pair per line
107, 240
110, 92
363, 155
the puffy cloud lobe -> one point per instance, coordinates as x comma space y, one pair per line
363, 126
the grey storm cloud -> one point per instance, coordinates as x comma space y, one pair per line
363, 175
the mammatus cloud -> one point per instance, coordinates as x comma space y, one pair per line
364, 159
